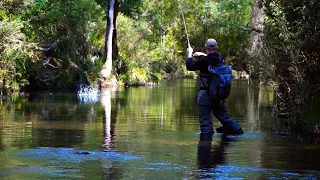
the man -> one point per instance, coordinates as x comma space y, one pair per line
207, 106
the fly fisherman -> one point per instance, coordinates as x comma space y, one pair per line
208, 106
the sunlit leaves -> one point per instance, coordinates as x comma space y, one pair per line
14, 52
150, 33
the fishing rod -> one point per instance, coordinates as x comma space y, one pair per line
185, 25
185, 28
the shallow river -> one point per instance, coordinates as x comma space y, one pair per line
146, 133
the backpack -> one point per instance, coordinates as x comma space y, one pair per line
219, 82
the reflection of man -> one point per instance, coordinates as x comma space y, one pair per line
210, 156
207, 106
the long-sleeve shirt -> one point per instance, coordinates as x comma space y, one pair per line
213, 59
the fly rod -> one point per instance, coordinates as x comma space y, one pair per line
185, 25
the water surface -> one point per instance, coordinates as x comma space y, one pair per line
146, 133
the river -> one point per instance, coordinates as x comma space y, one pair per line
147, 133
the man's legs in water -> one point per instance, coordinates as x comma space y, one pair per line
205, 118
229, 125
205, 112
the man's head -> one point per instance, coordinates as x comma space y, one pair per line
211, 45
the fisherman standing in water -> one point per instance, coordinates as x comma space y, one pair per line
208, 106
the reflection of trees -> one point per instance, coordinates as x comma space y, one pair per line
253, 110
60, 125
166, 107
45, 120
14, 130
53, 137
2, 118
250, 104
1, 141
280, 152
173, 105
259, 102
238, 99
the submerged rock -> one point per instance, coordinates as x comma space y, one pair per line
84, 152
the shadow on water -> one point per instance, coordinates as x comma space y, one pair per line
213, 162
210, 156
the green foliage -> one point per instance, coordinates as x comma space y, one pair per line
15, 86
135, 77
226, 21
292, 53
229, 23
138, 49
191, 74
157, 38
71, 29
15, 50
57, 44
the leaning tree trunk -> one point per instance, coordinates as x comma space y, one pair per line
107, 67
256, 45
114, 38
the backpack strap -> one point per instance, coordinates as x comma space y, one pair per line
205, 85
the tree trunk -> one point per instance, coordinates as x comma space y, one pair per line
257, 25
114, 38
107, 67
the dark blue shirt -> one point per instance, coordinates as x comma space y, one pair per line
213, 59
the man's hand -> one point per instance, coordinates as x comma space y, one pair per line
199, 54
189, 52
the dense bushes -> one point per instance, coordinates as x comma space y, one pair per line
292, 51
48, 44
57, 44
15, 51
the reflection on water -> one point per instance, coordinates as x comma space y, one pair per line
105, 100
210, 156
146, 133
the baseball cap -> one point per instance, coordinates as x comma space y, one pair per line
211, 43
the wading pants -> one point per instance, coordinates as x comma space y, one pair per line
207, 107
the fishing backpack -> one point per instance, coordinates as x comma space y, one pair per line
219, 82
